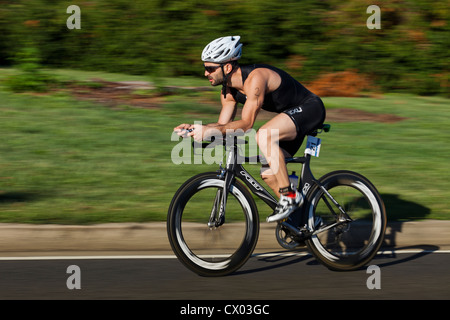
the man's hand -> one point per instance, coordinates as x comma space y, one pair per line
191, 130
182, 130
197, 131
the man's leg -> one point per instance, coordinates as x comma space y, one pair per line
268, 137
280, 128
270, 179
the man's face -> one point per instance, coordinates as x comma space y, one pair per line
214, 73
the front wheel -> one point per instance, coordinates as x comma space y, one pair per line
205, 249
352, 221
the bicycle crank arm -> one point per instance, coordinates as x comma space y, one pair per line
301, 234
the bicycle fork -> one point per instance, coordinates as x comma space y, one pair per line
217, 216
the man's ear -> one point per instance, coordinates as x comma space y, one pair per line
228, 68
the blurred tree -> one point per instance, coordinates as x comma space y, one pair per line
165, 37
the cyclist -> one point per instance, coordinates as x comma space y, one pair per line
257, 87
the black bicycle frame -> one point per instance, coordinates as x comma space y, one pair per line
234, 169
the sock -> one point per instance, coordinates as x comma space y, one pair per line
287, 192
290, 194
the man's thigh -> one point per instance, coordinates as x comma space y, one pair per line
282, 126
286, 133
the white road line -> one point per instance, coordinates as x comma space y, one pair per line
119, 257
413, 251
88, 257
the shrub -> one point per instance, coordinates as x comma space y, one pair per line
31, 76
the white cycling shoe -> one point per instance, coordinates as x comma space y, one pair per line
285, 207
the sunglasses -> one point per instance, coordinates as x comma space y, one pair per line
211, 69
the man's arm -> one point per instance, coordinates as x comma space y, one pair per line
255, 88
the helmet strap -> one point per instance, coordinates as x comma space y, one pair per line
224, 83
225, 78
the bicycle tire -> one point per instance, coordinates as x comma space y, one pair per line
177, 229
348, 246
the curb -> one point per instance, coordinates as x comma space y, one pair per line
151, 238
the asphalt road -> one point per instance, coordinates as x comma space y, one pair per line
411, 274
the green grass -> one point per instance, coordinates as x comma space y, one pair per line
77, 162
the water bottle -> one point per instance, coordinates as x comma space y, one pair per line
293, 179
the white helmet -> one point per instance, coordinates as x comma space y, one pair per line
223, 50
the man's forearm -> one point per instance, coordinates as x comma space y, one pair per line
234, 125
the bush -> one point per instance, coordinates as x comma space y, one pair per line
31, 76
308, 38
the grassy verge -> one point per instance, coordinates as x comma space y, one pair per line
77, 162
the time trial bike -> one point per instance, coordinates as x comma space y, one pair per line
213, 220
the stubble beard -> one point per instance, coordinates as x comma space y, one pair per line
216, 81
